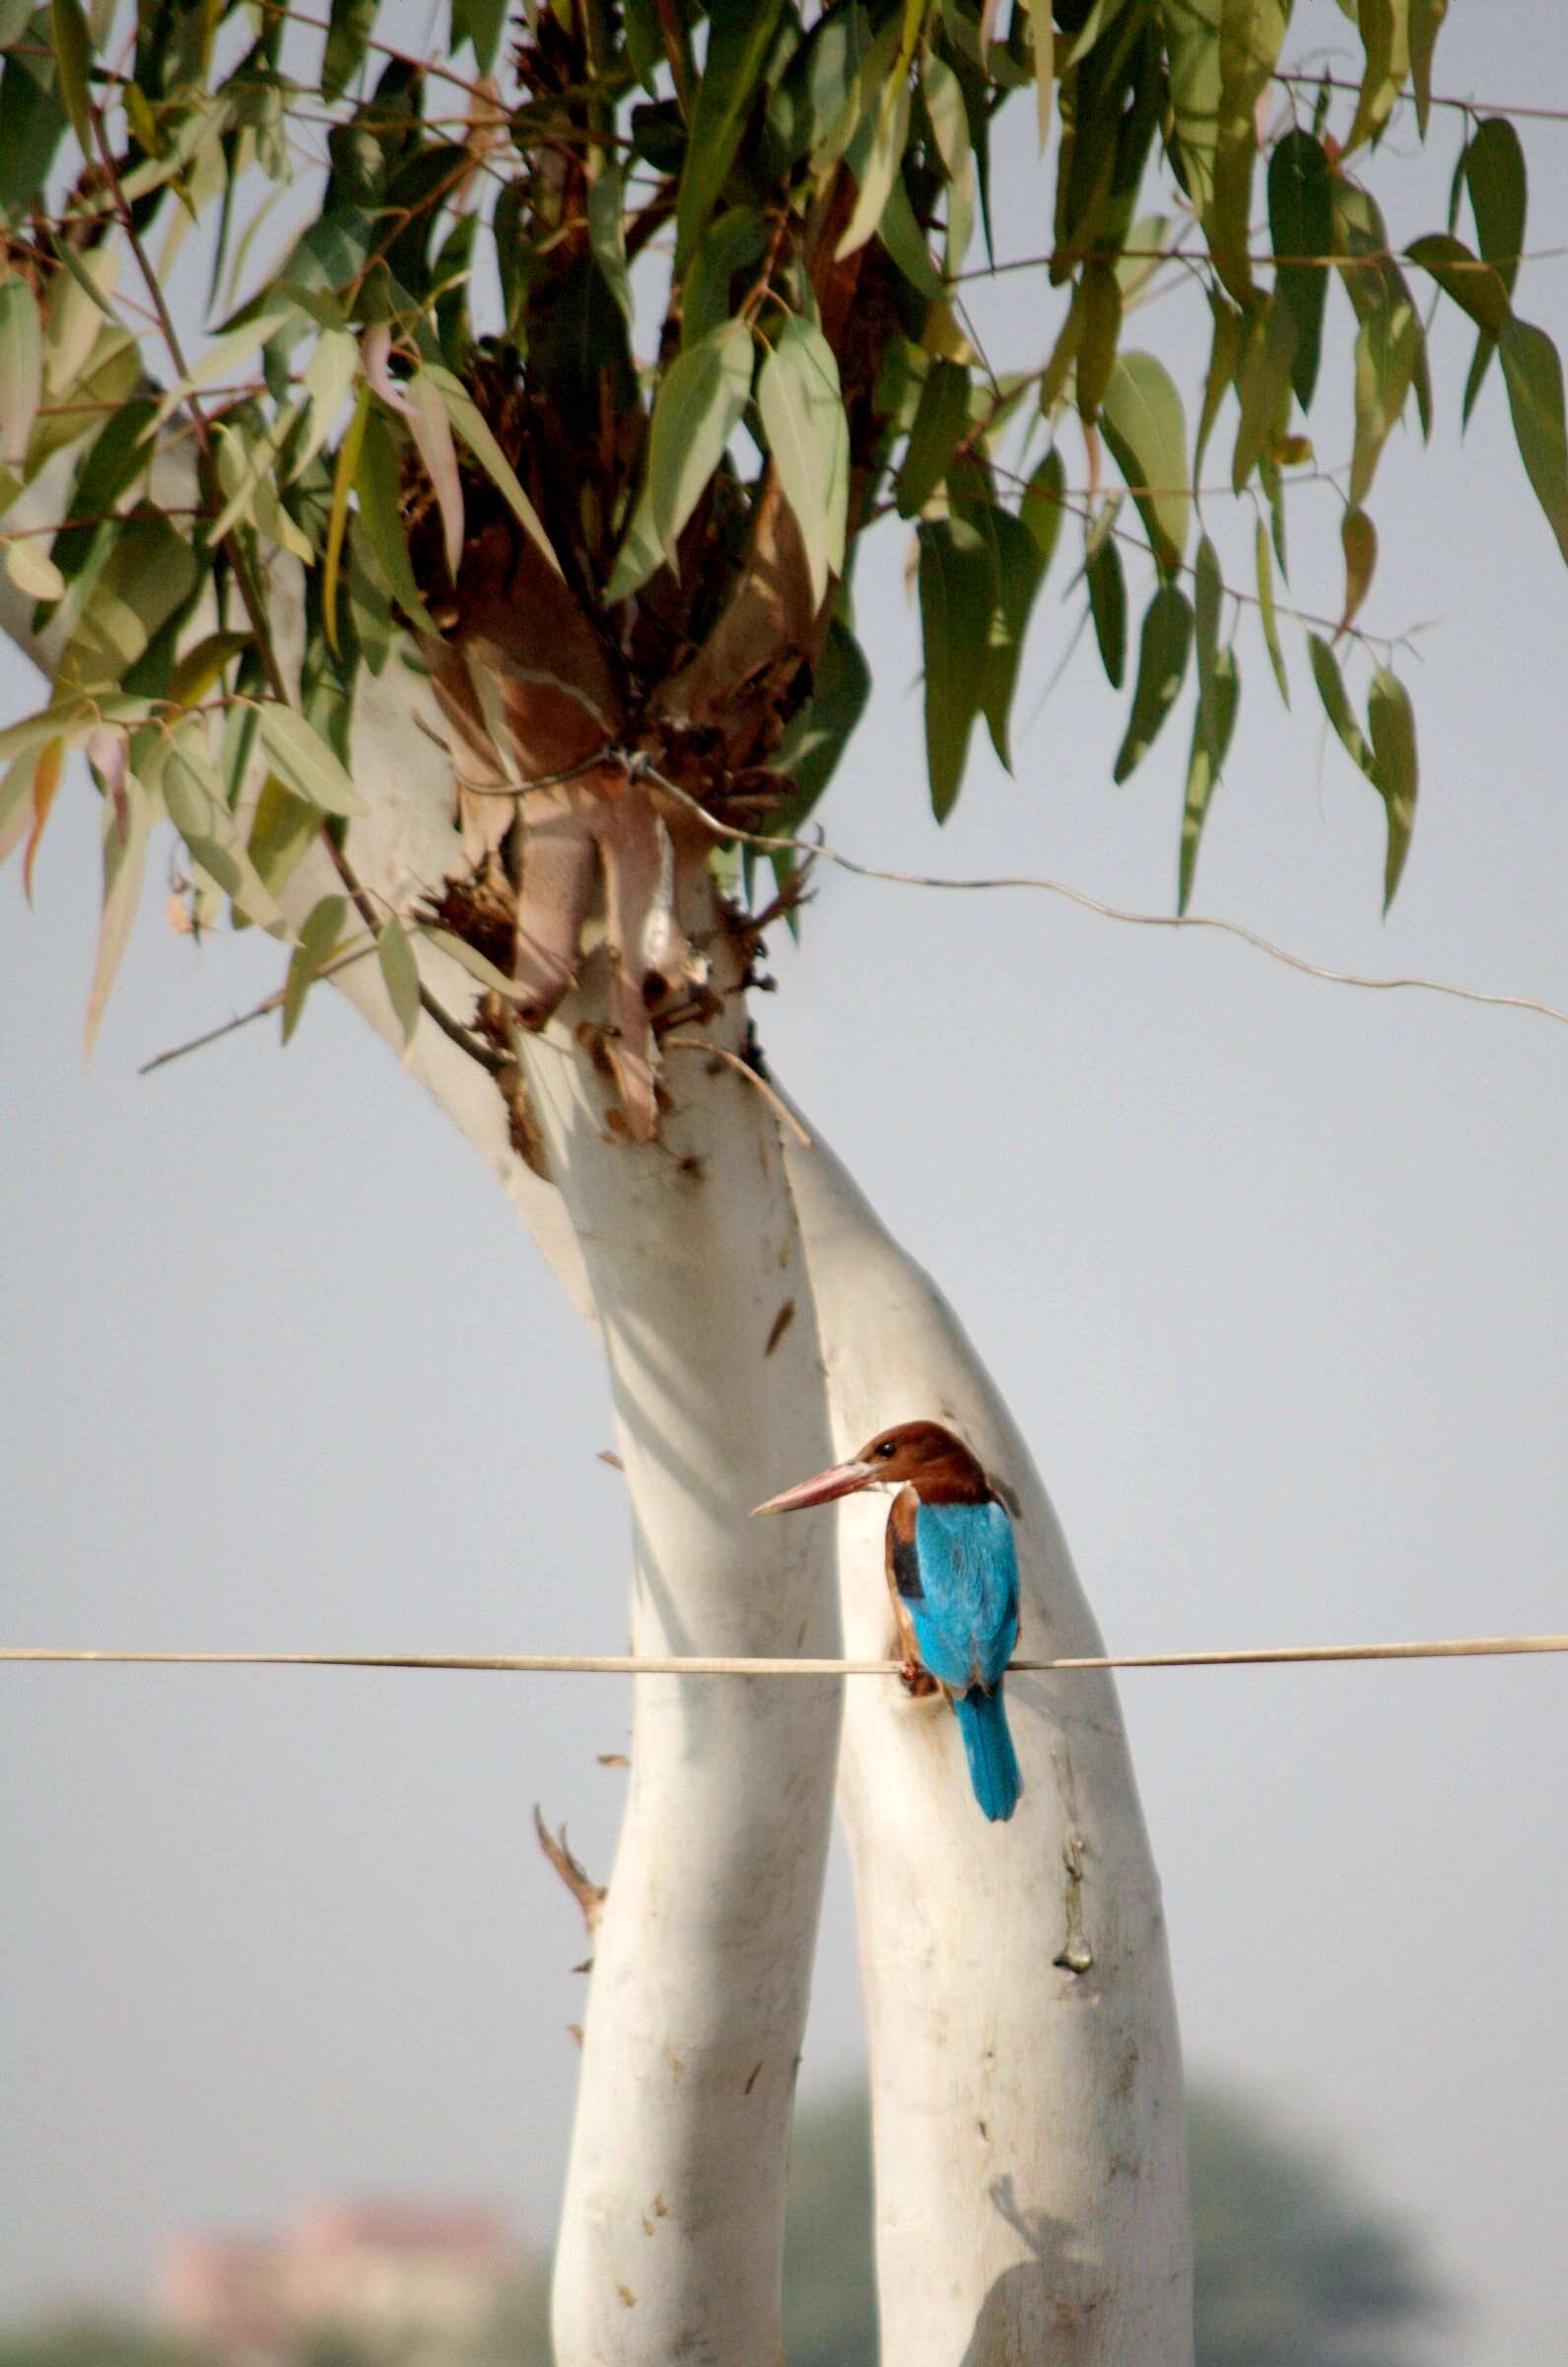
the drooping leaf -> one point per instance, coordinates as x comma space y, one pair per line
191, 790
350, 25
1041, 508
1359, 538
482, 21
73, 57
1225, 357
875, 156
739, 38
320, 933
1192, 32
21, 371
1395, 772
1266, 608
1108, 606
304, 763
1143, 423
343, 476
45, 782
699, 405
1020, 566
802, 418
282, 830
1533, 374
147, 577
1492, 168
375, 480
1301, 224
1252, 35
1336, 704
1385, 41
32, 121
471, 425
812, 746
941, 424
1264, 388
1212, 728
1426, 22
127, 821
1388, 346
1102, 326
957, 592
1472, 284
399, 975
1045, 49
1162, 647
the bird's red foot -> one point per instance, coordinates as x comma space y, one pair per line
916, 1680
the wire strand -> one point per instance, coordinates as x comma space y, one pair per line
655, 1664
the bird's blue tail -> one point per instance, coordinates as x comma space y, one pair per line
989, 1747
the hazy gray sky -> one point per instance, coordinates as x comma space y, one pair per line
1273, 1272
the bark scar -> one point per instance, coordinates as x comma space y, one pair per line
1075, 1954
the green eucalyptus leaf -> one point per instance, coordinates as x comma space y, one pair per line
1020, 564
73, 57
802, 418
1474, 286
21, 371
318, 942
1266, 607
1336, 704
1225, 359
704, 392
1102, 326
941, 425
149, 575
1264, 388
1386, 44
304, 763
1426, 21
1492, 168
1396, 771
740, 37
376, 481
127, 824
1359, 539
282, 830
1162, 647
1143, 423
350, 25
1108, 606
957, 592
1252, 35
1301, 225
1212, 728
400, 976
1532, 374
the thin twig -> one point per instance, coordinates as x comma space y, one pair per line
670, 1664
1109, 912
699, 1043
258, 1010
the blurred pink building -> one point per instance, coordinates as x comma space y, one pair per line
418, 2280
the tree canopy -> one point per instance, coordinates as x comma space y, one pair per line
590, 347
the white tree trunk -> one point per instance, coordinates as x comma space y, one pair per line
1031, 2175
1031, 2153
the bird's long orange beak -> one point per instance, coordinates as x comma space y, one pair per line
842, 1480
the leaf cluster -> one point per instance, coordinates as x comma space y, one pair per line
636, 325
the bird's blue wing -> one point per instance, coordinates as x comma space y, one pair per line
966, 1617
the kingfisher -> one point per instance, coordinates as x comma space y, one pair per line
952, 1573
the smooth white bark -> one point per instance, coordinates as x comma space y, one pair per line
1031, 2154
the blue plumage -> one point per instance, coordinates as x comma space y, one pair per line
965, 1618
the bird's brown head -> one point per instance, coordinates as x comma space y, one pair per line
922, 1455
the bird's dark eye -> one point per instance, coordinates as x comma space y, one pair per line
886, 1448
